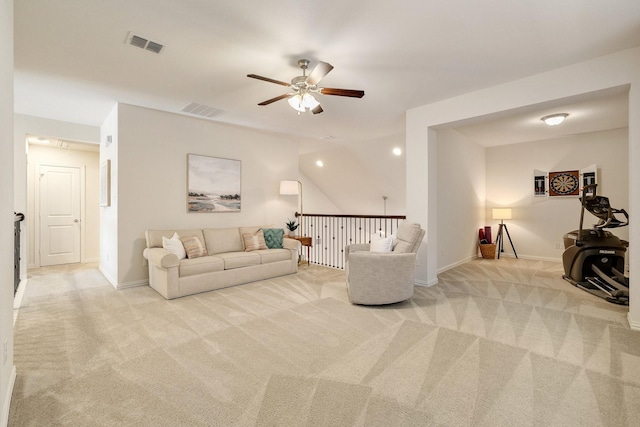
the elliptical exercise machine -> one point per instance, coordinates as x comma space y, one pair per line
594, 259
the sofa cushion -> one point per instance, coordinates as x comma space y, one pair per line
193, 247
239, 259
205, 264
273, 237
221, 240
274, 255
254, 242
174, 245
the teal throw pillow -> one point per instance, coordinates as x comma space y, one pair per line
273, 237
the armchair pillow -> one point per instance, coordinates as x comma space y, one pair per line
380, 244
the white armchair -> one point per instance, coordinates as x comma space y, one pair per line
376, 278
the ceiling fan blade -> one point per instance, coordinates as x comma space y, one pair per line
267, 79
321, 70
342, 92
317, 110
277, 98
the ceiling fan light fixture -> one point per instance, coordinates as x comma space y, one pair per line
309, 101
296, 103
554, 119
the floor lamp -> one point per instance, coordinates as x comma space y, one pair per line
502, 214
293, 188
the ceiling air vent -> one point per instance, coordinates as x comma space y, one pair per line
144, 43
201, 110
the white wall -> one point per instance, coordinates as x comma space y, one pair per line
315, 200
149, 179
356, 174
461, 198
611, 71
539, 223
7, 370
89, 161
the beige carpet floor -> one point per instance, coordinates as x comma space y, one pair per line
496, 343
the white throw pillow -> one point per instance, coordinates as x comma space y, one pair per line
380, 244
174, 245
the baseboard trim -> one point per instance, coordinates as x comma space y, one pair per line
426, 284
124, 285
455, 264
135, 284
531, 257
108, 277
6, 405
633, 324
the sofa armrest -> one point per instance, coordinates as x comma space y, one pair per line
161, 257
349, 249
292, 244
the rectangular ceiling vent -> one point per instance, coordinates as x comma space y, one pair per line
202, 110
144, 43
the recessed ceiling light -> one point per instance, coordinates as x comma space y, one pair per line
319, 163
397, 151
554, 119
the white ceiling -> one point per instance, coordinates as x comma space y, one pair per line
72, 62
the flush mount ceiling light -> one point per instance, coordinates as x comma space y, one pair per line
554, 119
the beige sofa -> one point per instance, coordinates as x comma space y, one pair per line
225, 264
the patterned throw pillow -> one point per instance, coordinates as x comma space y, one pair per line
193, 246
254, 242
273, 237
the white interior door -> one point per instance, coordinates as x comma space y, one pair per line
59, 215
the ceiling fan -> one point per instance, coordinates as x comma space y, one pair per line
305, 87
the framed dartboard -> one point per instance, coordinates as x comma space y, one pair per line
565, 183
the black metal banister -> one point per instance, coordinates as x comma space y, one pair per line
298, 214
331, 233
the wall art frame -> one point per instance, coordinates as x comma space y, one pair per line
213, 184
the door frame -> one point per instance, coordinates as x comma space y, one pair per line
36, 207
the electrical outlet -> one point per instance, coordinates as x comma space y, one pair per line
318, 242
5, 352
558, 245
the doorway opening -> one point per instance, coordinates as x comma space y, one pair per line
63, 202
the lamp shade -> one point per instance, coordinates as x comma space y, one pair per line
296, 103
289, 188
501, 213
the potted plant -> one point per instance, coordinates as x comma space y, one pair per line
291, 226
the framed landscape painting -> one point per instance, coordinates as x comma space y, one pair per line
213, 184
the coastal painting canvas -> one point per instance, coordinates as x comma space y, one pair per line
213, 184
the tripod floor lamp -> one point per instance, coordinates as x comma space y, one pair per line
502, 214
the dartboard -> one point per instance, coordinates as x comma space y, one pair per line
563, 183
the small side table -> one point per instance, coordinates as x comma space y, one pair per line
304, 241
